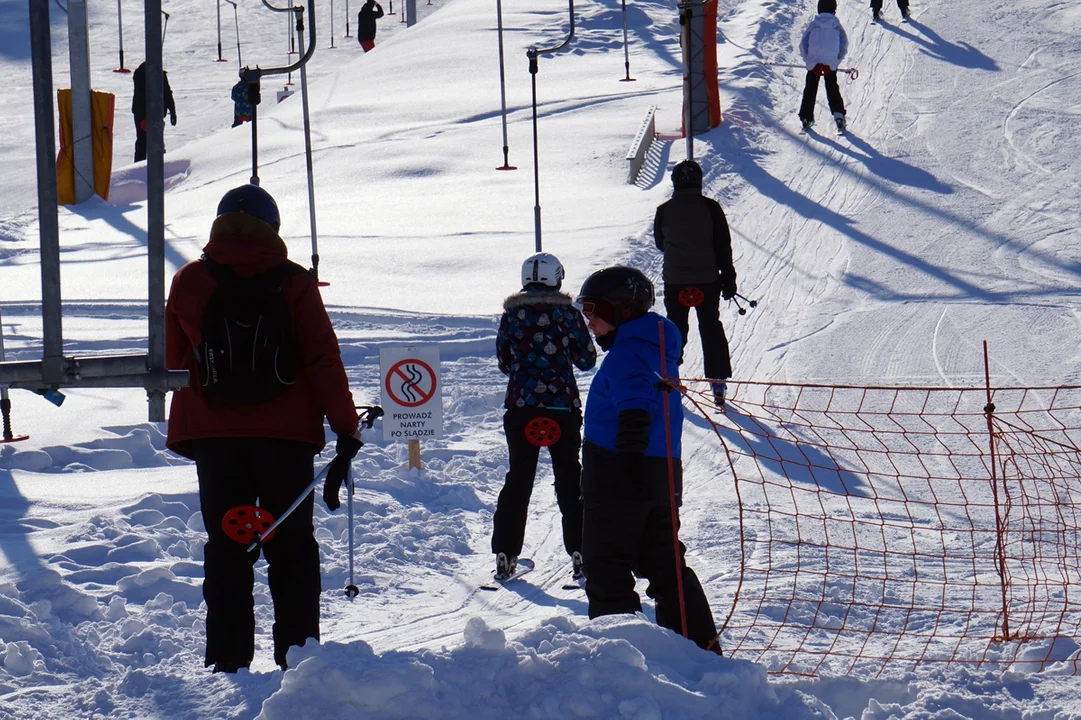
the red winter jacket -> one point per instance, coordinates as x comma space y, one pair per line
322, 387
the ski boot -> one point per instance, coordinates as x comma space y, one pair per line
877, 16
578, 571
719, 390
504, 566
807, 124
839, 118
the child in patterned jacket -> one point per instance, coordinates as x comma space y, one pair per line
542, 338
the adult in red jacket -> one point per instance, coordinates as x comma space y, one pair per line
257, 454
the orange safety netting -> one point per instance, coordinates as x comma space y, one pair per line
885, 527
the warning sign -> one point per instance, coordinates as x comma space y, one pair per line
412, 393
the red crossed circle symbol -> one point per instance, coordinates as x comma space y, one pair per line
410, 382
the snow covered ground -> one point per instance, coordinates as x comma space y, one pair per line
946, 217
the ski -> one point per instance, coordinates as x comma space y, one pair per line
524, 566
576, 582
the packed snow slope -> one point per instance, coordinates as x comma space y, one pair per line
946, 216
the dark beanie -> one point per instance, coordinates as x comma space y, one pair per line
829, 6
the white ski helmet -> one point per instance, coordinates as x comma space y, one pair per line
543, 269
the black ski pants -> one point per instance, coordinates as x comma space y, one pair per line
718, 360
902, 5
271, 473
810, 93
140, 140
628, 534
513, 506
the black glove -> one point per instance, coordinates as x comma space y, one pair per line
346, 449
728, 285
172, 118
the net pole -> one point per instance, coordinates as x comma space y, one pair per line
666, 388
1000, 539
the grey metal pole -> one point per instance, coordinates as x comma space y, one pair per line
533, 53
120, 35
308, 146
220, 58
82, 127
155, 205
347, 19
41, 53
331, 25
688, 131
626, 47
236, 22
502, 88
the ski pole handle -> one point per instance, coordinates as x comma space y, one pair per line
852, 73
370, 414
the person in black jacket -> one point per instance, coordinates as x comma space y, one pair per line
138, 107
542, 338
369, 13
692, 232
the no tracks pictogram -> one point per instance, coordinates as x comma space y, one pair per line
410, 382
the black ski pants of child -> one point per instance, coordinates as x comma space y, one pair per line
140, 139
902, 5
627, 532
271, 473
715, 352
810, 93
513, 504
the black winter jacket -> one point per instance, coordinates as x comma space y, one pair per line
138, 98
369, 13
692, 232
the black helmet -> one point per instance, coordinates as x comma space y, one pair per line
251, 200
687, 174
827, 6
616, 294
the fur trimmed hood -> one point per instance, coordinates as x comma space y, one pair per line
525, 298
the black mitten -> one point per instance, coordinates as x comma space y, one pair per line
346, 449
728, 285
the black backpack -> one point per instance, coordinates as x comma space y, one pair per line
248, 355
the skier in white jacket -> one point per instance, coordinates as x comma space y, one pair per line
823, 46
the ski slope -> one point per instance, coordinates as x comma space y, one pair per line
947, 216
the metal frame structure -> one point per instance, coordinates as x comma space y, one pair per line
55, 370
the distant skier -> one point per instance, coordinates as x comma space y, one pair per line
692, 232
633, 433
369, 13
253, 428
241, 105
138, 107
876, 8
542, 338
823, 46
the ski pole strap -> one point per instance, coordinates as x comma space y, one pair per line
852, 73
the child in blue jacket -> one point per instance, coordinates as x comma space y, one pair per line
628, 505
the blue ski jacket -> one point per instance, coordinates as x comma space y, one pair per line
628, 379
